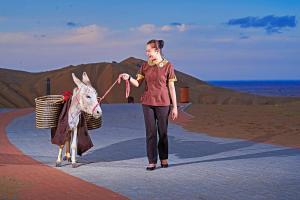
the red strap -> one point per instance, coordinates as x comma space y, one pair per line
117, 81
95, 107
127, 88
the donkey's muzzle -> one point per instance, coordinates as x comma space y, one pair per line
97, 114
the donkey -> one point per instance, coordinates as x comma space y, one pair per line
84, 99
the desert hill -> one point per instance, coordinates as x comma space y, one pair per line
19, 88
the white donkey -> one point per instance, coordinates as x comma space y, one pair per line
84, 99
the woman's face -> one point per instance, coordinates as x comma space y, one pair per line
151, 53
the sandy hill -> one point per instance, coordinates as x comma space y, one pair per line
19, 88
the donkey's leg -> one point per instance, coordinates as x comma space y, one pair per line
67, 153
58, 161
74, 147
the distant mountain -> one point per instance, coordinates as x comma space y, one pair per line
19, 88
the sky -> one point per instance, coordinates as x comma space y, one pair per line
208, 39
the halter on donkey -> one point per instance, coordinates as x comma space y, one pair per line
84, 99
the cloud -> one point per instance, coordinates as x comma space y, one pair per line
72, 24
146, 28
175, 26
82, 35
271, 23
15, 38
151, 28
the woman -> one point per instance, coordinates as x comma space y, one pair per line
159, 77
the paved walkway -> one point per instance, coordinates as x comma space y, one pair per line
201, 167
22, 177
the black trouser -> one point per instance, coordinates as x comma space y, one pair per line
156, 120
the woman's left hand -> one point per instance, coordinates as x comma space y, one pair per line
124, 76
174, 113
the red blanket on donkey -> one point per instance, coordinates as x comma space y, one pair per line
62, 133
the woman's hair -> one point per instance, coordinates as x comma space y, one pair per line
157, 44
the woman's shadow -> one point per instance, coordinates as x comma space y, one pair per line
136, 148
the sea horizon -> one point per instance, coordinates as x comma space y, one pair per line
290, 88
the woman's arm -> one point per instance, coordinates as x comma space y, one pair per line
133, 81
174, 112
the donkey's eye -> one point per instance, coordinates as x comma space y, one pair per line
88, 96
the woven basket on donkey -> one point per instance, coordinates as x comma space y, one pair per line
47, 109
91, 122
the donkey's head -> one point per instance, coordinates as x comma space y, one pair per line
86, 96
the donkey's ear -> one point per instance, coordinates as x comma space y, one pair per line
76, 80
85, 79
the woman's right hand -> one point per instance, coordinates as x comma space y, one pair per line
124, 76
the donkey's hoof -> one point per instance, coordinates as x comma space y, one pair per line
58, 164
74, 165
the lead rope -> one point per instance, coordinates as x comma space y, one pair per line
117, 81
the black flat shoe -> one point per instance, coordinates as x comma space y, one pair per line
150, 168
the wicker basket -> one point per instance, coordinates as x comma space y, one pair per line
47, 109
91, 122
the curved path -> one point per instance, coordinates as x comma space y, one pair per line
22, 177
201, 167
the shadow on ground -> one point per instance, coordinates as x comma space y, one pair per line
135, 148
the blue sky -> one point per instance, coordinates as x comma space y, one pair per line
211, 40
